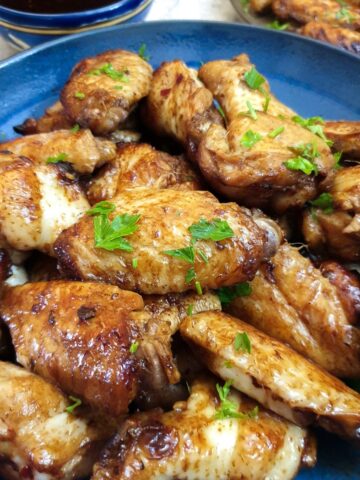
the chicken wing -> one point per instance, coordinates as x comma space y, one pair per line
141, 166
39, 439
272, 373
255, 160
179, 105
329, 11
81, 149
191, 442
346, 137
260, 5
293, 302
103, 90
54, 118
336, 229
37, 202
165, 259
341, 37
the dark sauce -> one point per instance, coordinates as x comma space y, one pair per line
54, 6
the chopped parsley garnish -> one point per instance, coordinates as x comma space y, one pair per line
198, 288
276, 25
111, 72
215, 230
344, 14
314, 125
134, 347
228, 408
109, 234
304, 162
190, 275
221, 111
189, 310
101, 208
79, 95
254, 79
250, 138
142, 52
228, 294
187, 254
134, 262
267, 100
61, 157
76, 403
324, 202
276, 132
242, 342
75, 128
251, 111
228, 364
337, 156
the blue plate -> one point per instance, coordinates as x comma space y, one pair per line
310, 77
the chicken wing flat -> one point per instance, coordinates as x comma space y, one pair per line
193, 441
81, 149
337, 229
341, 37
163, 221
179, 106
54, 118
329, 11
37, 203
346, 137
39, 439
103, 90
141, 166
293, 302
272, 373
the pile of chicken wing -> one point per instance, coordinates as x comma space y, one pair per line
179, 296
333, 21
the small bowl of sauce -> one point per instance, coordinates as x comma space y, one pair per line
26, 23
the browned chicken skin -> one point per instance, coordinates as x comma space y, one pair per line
54, 118
81, 149
341, 37
273, 374
189, 442
103, 90
165, 218
346, 137
293, 302
338, 231
141, 166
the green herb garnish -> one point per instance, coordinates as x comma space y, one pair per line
276, 132
79, 95
109, 234
250, 138
77, 403
190, 275
215, 230
111, 72
253, 79
187, 254
337, 156
304, 162
324, 202
228, 364
101, 208
134, 262
189, 310
134, 347
221, 111
251, 111
75, 128
242, 342
61, 157
228, 294
142, 53
228, 409
198, 288
314, 125
276, 25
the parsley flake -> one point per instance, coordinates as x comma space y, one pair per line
314, 125
189, 310
337, 156
134, 347
221, 111
215, 230
101, 208
228, 294
75, 128
76, 403
110, 71
134, 262
61, 157
250, 138
198, 288
187, 254
228, 408
276, 132
253, 79
276, 25
109, 234
251, 111
190, 275
79, 95
344, 14
142, 52
324, 202
304, 162
242, 342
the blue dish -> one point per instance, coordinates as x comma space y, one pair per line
312, 78
24, 29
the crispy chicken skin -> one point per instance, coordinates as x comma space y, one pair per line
82, 150
165, 218
110, 86
141, 166
337, 232
256, 175
293, 302
345, 135
189, 442
260, 5
179, 105
37, 202
273, 374
54, 118
329, 11
38, 438
342, 37
77, 336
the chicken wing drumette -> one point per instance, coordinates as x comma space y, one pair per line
194, 441
334, 226
339, 36
141, 166
345, 135
37, 202
81, 149
263, 158
160, 256
293, 302
103, 90
272, 373
39, 438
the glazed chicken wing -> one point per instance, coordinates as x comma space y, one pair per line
293, 302
341, 37
345, 135
337, 229
54, 118
272, 373
189, 442
39, 439
329, 11
141, 166
81, 149
37, 202
157, 245
103, 90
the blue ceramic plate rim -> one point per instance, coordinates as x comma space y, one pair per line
328, 468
